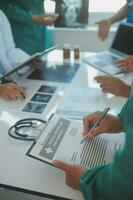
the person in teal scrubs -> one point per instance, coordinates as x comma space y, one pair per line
125, 12
28, 23
112, 84
113, 181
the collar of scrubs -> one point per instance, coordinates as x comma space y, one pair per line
130, 12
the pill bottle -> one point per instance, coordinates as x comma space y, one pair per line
76, 52
66, 51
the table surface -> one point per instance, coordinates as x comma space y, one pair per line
19, 172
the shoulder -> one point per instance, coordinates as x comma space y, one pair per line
2, 15
3, 18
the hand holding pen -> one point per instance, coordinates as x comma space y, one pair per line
12, 91
97, 124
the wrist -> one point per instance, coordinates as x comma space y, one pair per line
1, 87
127, 91
118, 124
110, 21
34, 18
113, 124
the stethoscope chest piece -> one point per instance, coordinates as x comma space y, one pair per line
27, 129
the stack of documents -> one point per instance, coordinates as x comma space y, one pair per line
78, 102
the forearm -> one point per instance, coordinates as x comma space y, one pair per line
116, 125
113, 124
108, 182
121, 14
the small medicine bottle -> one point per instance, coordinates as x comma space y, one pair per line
66, 51
76, 52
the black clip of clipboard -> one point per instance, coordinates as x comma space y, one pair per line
35, 141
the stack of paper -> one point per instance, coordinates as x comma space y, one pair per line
78, 102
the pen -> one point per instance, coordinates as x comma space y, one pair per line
22, 94
102, 115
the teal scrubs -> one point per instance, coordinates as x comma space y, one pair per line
28, 35
130, 13
114, 181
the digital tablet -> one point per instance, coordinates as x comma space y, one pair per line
26, 62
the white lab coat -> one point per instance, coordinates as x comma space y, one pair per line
10, 56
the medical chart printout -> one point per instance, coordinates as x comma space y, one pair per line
61, 140
77, 102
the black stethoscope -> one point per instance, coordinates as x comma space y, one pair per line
27, 129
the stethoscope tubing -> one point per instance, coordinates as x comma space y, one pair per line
14, 131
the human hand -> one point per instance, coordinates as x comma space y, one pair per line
50, 19
11, 91
38, 19
44, 19
73, 173
108, 124
103, 28
126, 63
113, 85
36, 63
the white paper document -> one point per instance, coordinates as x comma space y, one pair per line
78, 102
61, 140
41, 99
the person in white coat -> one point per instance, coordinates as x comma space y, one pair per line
10, 56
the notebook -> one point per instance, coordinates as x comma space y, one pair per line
122, 45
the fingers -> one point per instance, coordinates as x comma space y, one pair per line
102, 79
18, 92
89, 121
13, 95
123, 64
103, 29
103, 34
108, 88
105, 82
19, 95
43, 19
8, 97
11, 91
86, 125
98, 130
73, 173
61, 165
49, 20
36, 63
92, 118
22, 92
126, 63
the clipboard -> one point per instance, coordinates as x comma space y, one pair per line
60, 140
